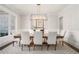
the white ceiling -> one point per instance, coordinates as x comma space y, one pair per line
32, 8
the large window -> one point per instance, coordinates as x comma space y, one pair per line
3, 25
7, 24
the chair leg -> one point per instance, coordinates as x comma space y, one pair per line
55, 46
13, 43
47, 47
34, 47
56, 43
42, 47
29, 47
19, 43
62, 43
22, 47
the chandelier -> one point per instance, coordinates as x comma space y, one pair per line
38, 18
38, 15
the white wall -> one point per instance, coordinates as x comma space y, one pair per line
70, 23
24, 22
52, 23
18, 22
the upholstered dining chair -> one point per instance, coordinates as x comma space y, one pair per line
38, 38
52, 39
25, 39
61, 37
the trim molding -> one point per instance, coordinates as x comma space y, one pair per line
5, 45
76, 49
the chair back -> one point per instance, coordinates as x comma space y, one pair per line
38, 37
52, 37
62, 33
25, 37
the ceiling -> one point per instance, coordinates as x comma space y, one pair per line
32, 8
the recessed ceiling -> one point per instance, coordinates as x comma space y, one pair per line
32, 8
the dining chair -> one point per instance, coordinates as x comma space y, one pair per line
38, 38
61, 37
25, 39
52, 39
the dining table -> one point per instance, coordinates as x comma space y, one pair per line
45, 37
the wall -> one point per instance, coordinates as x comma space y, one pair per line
52, 23
24, 22
70, 23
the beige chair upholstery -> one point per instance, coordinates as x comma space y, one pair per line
25, 38
52, 38
37, 37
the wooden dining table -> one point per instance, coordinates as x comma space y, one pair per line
31, 38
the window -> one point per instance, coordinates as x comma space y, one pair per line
7, 24
3, 25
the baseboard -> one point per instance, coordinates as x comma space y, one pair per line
5, 45
76, 49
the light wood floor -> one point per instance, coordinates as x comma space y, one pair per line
17, 50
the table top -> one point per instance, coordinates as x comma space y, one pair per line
30, 36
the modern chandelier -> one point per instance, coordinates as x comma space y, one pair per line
38, 18
38, 14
